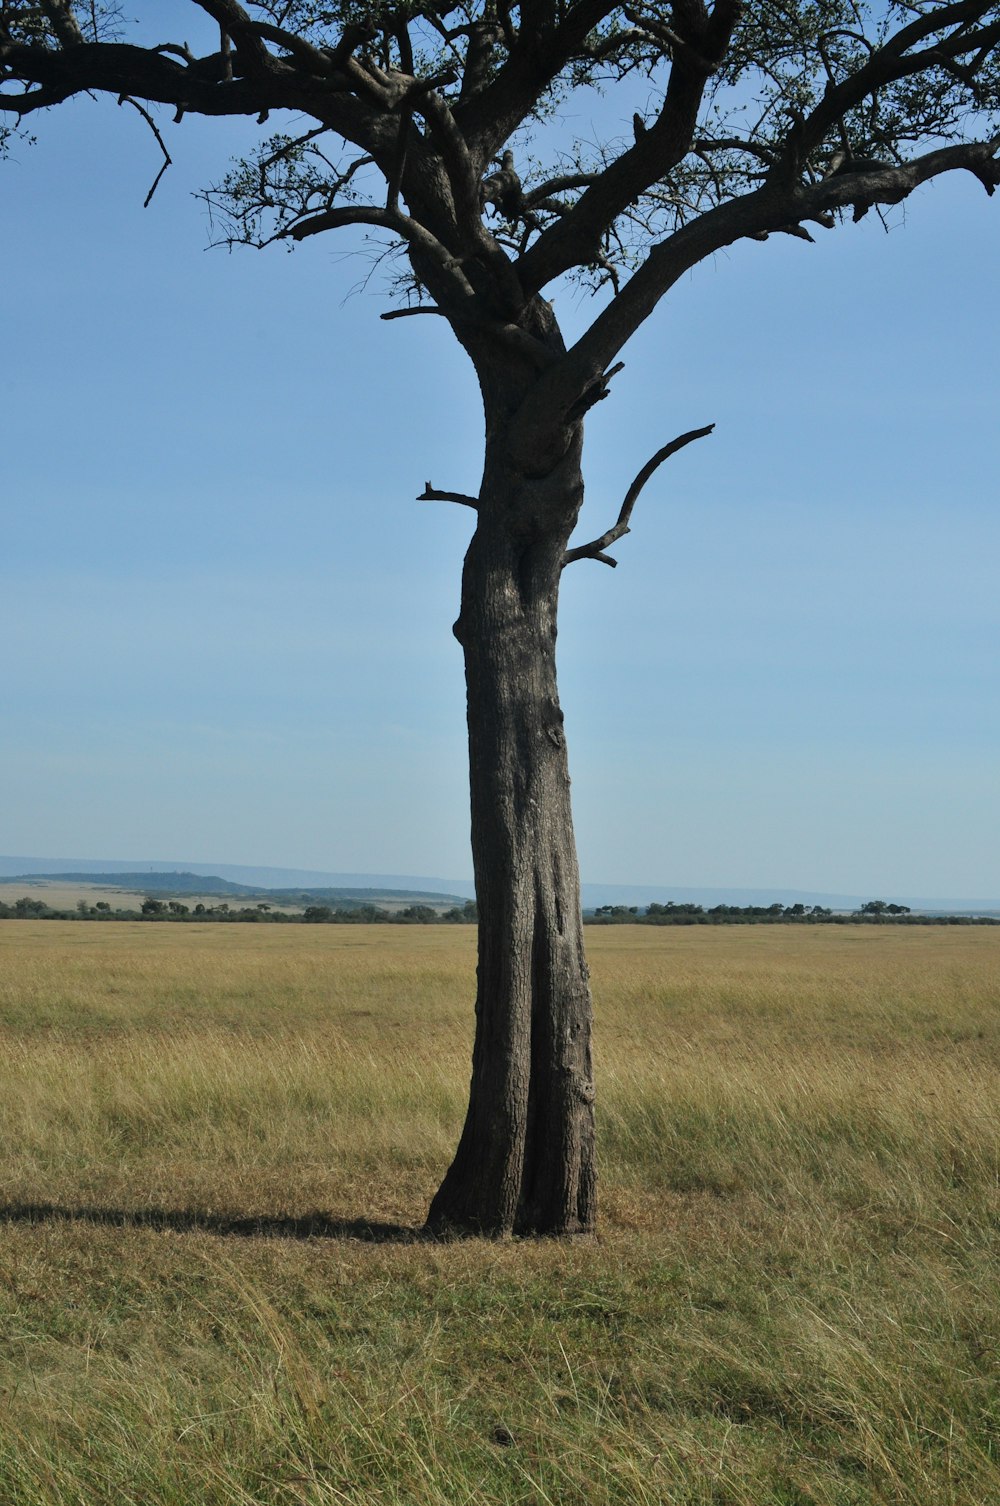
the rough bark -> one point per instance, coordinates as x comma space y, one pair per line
525, 1162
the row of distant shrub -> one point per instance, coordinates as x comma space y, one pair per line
874, 911
174, 910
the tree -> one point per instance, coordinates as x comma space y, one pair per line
28, 907
413, 119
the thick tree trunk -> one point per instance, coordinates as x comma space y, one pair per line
525, 1162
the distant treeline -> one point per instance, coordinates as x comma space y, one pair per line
171, 910
874, 911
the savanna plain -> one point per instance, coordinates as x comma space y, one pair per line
218, 1144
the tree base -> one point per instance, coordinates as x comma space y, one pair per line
450, 1231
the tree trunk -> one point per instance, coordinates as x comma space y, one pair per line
525, 1162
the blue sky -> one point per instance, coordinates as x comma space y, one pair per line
227, 622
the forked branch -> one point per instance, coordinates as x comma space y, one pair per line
126, 99
595, 549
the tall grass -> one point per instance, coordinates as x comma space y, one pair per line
217, 1145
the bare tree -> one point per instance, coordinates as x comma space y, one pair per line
415, 118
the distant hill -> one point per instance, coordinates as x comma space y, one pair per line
144, 881
366, 896
247, 879
408, 888
178, 882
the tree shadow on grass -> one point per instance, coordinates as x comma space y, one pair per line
231, 1226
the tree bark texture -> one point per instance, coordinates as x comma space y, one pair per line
525, 1162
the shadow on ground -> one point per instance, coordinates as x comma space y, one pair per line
232, 1226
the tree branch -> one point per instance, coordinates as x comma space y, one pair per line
546, 43
594, 392
435, 166
560, 184
418, 308
170, 74
667, 37
300, 50
238, 23
595, 549
63, 22
891, 63
464, 178
149, 73
734, 144
407, 228
575, 238
431, 494
873, 183
765, 209
127, 100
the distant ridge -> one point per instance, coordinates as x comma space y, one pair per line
255, 879
173, 882
252, 878
143, 879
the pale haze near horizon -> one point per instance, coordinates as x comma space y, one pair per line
227, 621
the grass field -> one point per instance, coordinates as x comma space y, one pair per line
66, 896
217, 1143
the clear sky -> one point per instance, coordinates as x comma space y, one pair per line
226, 621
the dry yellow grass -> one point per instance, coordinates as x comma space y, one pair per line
61, 895
794, 1298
